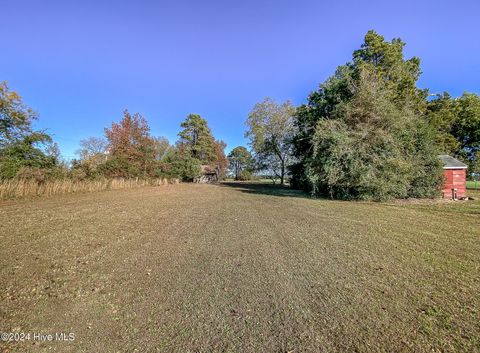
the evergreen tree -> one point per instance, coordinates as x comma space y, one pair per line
198, 139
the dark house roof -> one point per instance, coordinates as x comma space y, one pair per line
451, 163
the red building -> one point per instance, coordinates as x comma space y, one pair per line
455, 172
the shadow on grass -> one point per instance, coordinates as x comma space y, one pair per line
467, 208
265, 189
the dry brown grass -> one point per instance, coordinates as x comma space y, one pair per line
239, 268
18, 188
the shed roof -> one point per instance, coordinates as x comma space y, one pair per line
451, 163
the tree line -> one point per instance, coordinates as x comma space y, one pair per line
127, 150
367, 132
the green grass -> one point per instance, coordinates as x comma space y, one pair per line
473, 185
240, 267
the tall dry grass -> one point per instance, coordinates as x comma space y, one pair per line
18, 188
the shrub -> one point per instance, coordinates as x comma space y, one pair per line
245, 175
364, 133
180, 164
374, 150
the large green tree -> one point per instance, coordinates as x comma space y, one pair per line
241, 162
21, 148
197, 140
363, 134
374, 150
15, 117
271, 130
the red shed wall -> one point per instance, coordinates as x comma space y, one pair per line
455, 179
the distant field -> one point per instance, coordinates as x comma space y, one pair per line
473, 184
239, 268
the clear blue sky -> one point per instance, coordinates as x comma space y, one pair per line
80, 63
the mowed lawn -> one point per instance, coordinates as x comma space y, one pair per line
239, 268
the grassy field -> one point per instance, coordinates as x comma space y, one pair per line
473, 185
239, 268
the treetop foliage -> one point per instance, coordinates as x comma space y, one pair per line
197, 137
386, 59
22, 148
456, 122
15, 117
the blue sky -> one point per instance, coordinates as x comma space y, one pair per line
79, 64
